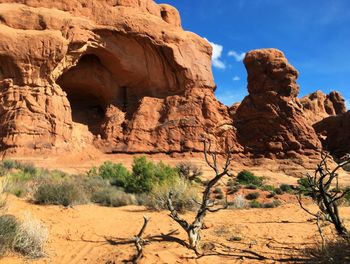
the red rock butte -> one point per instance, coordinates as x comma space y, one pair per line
124, 77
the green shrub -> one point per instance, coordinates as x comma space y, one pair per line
9, 164
252, 196
217, 190
64, 193
286, 188
111, 196
232, 186
268, 188
347, 167
93, 184
246, 177
278, 191
347, 195
117, 174
252, 187
273, 204
304, 186
271, 195
146, 174
219, 196
8, 229
255, 204
184, 196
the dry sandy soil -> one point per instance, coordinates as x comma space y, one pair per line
86, 233
83, 234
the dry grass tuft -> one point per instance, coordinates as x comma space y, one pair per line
30, 238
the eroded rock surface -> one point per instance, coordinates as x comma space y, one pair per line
318, 105
123, 76
270, 120
334, 132
120, 74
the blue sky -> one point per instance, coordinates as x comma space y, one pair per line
313, 34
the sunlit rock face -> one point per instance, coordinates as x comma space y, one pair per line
119, 74
270, 120
318, 105
124, 77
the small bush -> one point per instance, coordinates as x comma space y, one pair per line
8, 229
252, 187
271, 195
30, 238
9, 164
246, 177
239, 202
117, 174
232, 186
146, 174
184, 196
286, 188
278, 191
219, 196
189, 171
304, 186
113, 197
255, 204
64, 193
252, 196
347, 167
268, 188
217, 190
273, 204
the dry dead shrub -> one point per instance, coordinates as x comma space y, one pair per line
30, 238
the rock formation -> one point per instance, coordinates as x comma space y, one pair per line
119, 74
318, 105
334, 134
270, 120
123, 76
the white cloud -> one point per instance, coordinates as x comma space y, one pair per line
216, 56
236, 78
236, 55
347, 103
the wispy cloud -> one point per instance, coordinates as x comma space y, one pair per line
236, 78
238, 56
216, 56
347, 103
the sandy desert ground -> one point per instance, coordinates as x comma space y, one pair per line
85, 234
90, 233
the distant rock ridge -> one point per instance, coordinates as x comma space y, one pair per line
318, 105
124, 77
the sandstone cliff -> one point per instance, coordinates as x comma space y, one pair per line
122, 75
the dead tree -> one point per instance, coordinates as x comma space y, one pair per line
326, 193
193, 229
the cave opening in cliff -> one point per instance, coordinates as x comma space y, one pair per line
87, 91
